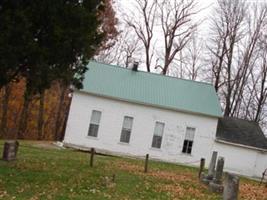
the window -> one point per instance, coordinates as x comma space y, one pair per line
94, 123
126, 129
158, 133
188, 141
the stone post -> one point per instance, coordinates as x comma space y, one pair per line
219, 171
216, 184
211, 170
231, 187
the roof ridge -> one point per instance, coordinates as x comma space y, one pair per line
236, 118
153, 73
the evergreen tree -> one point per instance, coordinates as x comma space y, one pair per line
48, 40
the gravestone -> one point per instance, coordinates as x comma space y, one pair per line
216, 184
10, 150
211, 171
231, 187
201, 168
219, 171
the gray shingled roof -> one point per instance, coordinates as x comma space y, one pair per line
241, 132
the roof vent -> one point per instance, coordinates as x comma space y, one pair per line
135, 66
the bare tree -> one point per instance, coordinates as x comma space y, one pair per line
261, 94
175, 21
249, 62
177, 26
127, 46
234, 14
255, 106
190, 58
238, 62
143, 26
217, 46
227, 32
256, 101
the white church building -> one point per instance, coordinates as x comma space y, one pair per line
126, 112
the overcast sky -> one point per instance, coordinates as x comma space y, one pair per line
205, 8
204, 5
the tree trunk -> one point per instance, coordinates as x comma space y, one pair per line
147, 60
219, 70
166, 65
58, 112
41, 116
24, 116
228, 107
262, 98
7, 91
65, 120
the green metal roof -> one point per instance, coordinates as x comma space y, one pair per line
151, 89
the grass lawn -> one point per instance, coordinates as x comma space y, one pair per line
44, 173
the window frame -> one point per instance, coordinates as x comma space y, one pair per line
157, 139
94, 127
187, 147
126, 130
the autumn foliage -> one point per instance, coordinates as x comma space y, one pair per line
51, 105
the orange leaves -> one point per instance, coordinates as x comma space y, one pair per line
253, 191
184, 184
15, 104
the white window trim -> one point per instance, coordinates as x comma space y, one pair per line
101, 116
131, 130
92, 137
124, 143
164, 127
188, 154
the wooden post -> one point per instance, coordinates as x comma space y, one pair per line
113, 178
146, 163
201, 168
92, 157
263, 175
